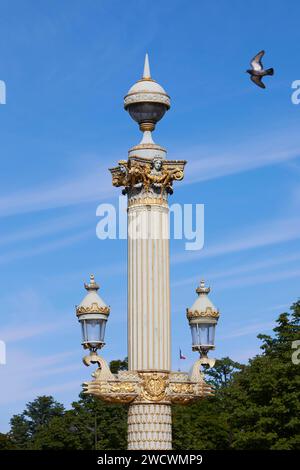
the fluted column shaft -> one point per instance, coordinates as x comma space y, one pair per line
149, 329
148, 287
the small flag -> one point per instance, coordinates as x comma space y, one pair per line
181, 356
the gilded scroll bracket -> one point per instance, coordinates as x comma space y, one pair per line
161, 387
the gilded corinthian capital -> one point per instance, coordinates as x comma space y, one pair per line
143, 173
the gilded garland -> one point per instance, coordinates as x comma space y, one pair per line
93, 308
209, 312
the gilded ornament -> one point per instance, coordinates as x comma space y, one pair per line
122, 387
209, 312
182, 388
154, 386
93, 308
146, 173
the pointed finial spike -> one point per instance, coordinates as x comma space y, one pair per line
146, 73
202, 289
92, 284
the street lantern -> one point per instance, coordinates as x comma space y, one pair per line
203, 317
92, 314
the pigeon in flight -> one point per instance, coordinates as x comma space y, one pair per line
258, 72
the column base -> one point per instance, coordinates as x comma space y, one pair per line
149, 427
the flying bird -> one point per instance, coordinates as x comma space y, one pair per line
258, 72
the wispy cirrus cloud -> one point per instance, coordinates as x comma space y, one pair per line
263, 278
73, 386
203, 164
27, 374
247, 330
76, 189
242, 269
46, 228
274, 232
46, 247
16, 333
255, 152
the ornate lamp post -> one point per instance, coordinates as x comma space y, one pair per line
149, 386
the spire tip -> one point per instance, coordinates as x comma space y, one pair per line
146, 73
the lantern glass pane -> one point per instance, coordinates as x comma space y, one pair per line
203, 334
211, 334
83, 331
93, 331
194, 334
102, 330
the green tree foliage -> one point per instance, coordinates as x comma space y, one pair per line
36, 415
5, 442
256, 406
263, 401
223, 372
117, 365
19, 431
90, 424
204, 425
200, 426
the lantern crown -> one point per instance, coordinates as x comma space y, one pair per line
92, 302
203, 306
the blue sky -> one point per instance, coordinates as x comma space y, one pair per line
67, 66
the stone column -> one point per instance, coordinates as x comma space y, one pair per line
149, 427
149, 331
148, 285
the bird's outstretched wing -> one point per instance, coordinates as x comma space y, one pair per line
257, 81
256, 63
